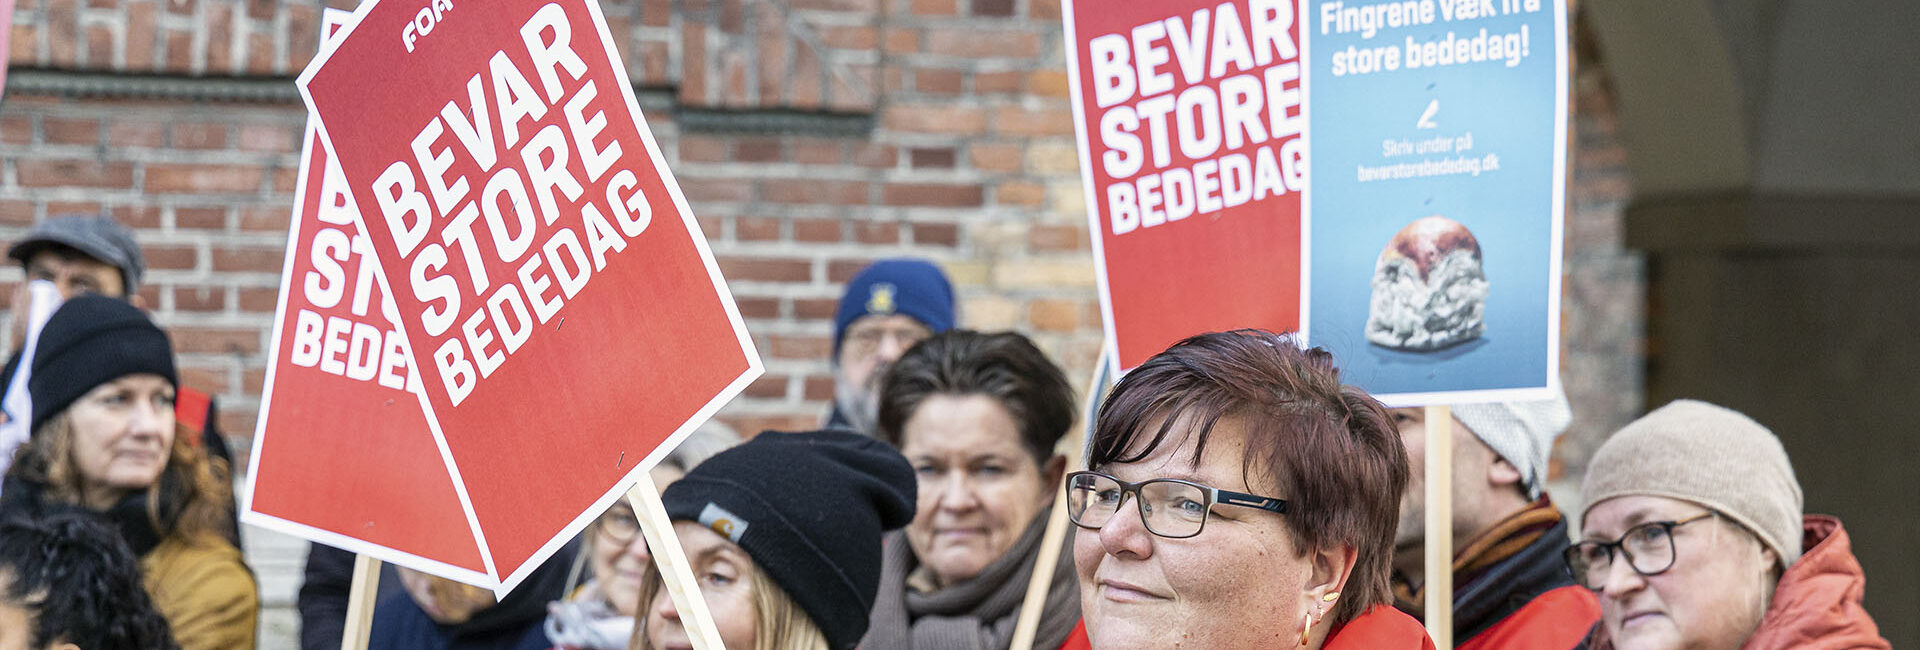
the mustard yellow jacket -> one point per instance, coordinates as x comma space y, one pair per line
205, 591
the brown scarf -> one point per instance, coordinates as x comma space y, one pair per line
1499, 542
977, 614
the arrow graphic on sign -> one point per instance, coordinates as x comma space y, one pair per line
1426, 119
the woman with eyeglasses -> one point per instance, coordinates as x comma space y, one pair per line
600, 614
978, 416
1239, 496
1693, 537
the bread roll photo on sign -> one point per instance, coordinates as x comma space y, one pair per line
1429, 291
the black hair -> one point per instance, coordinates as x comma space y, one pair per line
1005, 366
79, 584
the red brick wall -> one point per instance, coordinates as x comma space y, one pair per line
197, 37
970, 161
207, 189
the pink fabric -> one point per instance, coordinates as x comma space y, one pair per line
6, 31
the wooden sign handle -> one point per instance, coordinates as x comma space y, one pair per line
1439, 522
1028, 625
360, 602
1073, 446
675, 571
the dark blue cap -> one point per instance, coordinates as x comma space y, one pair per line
906, 286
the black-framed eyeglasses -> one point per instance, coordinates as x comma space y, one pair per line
1170, 507
1648, 548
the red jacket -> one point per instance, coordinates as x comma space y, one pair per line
1816, 605
1559, 618
1078, 639
1381, 628
1526, 600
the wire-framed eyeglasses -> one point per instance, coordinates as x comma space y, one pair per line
619, 525
1170, 507
864, 339
1648, 547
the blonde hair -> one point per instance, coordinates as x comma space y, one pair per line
199, 494
779, 623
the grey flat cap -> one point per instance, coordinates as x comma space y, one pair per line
96, 236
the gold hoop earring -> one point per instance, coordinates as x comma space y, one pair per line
1306, 629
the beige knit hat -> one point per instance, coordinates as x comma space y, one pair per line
1710, 455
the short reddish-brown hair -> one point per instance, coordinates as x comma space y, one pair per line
1331, 450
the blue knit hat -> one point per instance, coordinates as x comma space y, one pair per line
908, 286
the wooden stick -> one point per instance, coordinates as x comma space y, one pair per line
360, 602
1439, 551
1042, 580
1028, 625
676, 572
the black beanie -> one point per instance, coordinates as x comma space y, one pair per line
89, 341
810, 509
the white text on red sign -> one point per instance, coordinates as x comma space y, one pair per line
1241, 90
527, 185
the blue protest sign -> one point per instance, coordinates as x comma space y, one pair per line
1437, 134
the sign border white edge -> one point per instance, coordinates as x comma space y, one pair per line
328, 47
356, 545
273, 341
1070, 41
1552, 387
328, 17
426, 407
1305, 311
1450, 398
288, 526
249, 516
1562, 80
755, 367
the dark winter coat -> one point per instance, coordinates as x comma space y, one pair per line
515, 623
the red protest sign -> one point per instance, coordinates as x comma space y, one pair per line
1188, 116
343, 453
564, 312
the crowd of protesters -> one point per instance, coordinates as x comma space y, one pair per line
1234, 494
103, 443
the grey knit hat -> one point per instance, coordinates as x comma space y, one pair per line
1710, 455
1520, 432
